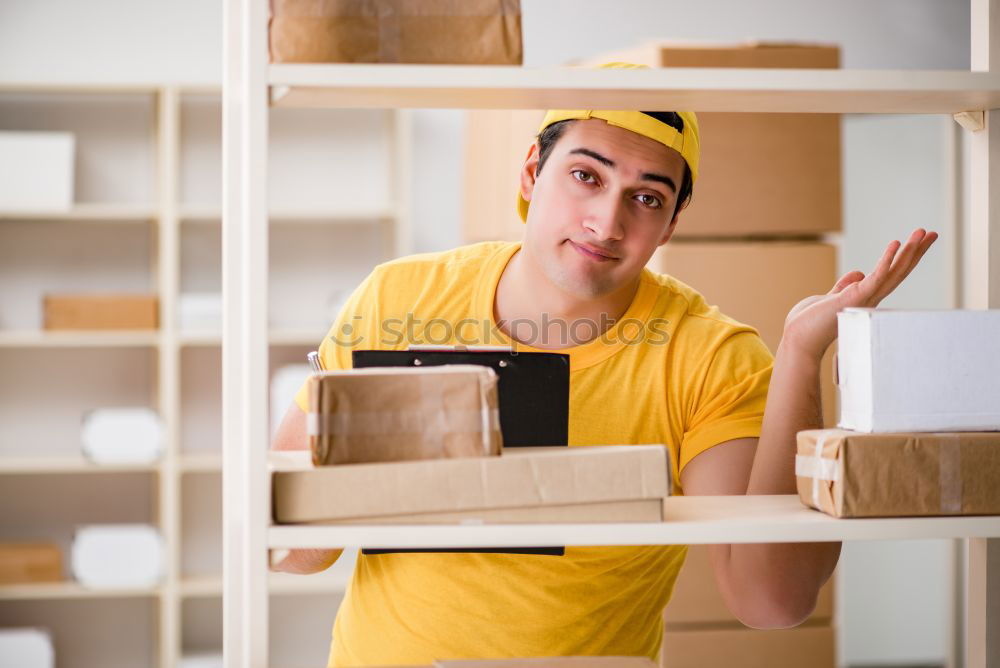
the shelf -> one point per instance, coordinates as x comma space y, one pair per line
691, 520
111, 213
280, 337
68, 464
700, 89
278, 583
202, 462
78, 339
69, 590
318, 215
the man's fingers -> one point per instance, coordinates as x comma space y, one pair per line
847, 279
908, 259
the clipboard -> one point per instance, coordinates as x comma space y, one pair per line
533, 388
533, 393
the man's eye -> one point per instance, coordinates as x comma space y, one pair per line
650, 201
582, 176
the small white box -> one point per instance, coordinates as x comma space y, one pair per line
202, 660
109, 556
918, 370
36, 171
26, 648
122, 436
200, 312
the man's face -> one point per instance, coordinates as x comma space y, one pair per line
603, 202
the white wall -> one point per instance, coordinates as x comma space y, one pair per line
894, 600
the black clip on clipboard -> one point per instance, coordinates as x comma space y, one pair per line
533, 393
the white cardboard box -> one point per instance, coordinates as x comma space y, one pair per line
26, 648
36, 171
108, 556
919, 370
130, 435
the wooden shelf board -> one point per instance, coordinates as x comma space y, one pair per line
69, 590
691, 520
78, 339
699, 89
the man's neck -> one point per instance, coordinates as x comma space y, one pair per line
524, 296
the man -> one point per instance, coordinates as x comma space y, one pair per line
651, 362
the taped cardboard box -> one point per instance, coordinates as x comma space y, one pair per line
851, 474
696, 598
906, 371
101, 311
469, 32
812, 646
403, 413
524, 485
22, 563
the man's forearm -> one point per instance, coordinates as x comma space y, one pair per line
779, 581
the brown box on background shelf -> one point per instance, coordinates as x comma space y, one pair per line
469, 32
812, 646
696, 598
23, 563
524, 485
758, 283
392, 414
854, 474
101, 312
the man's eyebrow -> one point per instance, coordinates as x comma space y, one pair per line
607, 162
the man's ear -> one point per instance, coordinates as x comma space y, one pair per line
528, 172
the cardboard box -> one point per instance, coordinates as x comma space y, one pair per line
22, 563
812, 646
851, 474
758, 283
113, 556
27, 648
101, 311
696, 598
552, 662
36, 171
389, 414
919, 370
471, 32
559, 484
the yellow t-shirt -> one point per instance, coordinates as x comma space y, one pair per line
672, 370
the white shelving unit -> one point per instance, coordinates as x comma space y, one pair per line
148, 220
251, 84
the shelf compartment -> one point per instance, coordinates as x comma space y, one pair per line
691, 520
700, 89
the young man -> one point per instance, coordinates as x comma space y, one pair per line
651, 362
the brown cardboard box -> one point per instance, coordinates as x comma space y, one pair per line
758, 283
395, 413
30, 562
473, 32
559, 484
759, 174
101, 311
553, 662
895, 475
812, 646
696, 598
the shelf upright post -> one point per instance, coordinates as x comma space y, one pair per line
245, 492
982, 578
401, 181
168, 147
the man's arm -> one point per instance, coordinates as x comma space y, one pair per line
291, 435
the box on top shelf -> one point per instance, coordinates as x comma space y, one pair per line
852, 474
774, 174
524, 485
36, 171
101, 312
400, 413
812, 646
918, 370
471, 32
30, 562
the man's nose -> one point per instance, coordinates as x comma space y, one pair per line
605, 219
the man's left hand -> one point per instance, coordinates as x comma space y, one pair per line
811, 326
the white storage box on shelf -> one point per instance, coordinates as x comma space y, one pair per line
122, 436
919, 370
202, 660
200, 312
109, 556
36, 171
26, 648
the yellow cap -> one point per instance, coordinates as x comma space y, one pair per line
684, 142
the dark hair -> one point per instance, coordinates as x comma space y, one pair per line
548, 137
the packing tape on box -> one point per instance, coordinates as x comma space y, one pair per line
372, 423
950, 473
816, 467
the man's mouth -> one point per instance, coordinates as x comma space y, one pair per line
592, 253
